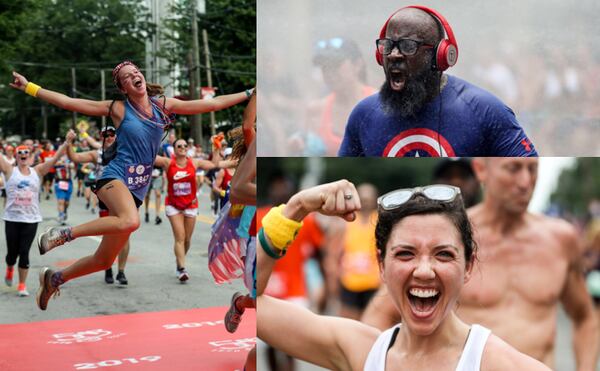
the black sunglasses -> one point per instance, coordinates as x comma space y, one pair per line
182, 146
106, 134
405, 46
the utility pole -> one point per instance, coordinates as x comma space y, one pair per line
44, 122
196, 131
213, 129
74, 90
103, 94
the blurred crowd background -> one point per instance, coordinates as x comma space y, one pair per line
541, 58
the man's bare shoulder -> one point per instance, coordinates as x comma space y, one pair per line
498, 355
557, 228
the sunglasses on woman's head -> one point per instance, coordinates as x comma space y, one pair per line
437, 192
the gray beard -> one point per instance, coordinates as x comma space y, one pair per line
417, 91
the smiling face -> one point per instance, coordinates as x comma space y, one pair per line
131, 81
425, 269
180, 147
23, 155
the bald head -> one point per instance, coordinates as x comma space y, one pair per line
416, 24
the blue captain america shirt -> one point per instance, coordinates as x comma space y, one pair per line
463, 120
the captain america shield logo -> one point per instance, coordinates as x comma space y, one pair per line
418, 143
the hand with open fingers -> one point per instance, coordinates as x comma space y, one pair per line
19, 81
335, 199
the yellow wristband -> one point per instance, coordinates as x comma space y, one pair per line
281, 230
85, 135
32, 89
222, 193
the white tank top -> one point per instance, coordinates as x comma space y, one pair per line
22, 197
470, 359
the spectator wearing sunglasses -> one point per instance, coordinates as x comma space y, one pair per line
529, 264
419, 110
426, 255
22, 213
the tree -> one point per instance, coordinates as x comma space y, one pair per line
56, 36
231, 28
577, 186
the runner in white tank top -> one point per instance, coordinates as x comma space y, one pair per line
470, 359
22, 212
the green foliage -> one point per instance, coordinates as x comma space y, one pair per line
231, 29
577, 186
55, 35
386, 174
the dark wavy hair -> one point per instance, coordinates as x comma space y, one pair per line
421, 205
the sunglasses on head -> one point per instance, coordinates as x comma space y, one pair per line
437, 192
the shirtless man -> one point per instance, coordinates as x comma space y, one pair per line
528, 264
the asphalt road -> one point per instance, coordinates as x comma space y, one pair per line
150, 271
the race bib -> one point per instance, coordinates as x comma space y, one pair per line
63, 185
155, 173
137, 176
182, 189
24, 198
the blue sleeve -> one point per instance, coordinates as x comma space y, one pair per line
506, 137
351, 145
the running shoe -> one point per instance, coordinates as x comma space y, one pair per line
46, 290
87, 205
233, 317
158, 220
121, 278
147, 218
22, 290
8, 278
53, 237
182, 275
108, 276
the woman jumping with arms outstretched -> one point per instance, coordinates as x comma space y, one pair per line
140, 121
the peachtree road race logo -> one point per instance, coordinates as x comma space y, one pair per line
87, 336
233, 345
418, 143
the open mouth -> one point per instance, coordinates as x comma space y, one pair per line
423, 301
397, 79
137, 83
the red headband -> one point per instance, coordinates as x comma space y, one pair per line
20, 148
115, 72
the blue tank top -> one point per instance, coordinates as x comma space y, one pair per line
137, 145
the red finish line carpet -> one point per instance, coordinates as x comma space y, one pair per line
193, 339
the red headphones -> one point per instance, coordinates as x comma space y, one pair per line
446, 52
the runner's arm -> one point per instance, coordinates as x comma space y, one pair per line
297, 331
243, 188
84, 106
579, 307
192, 107
162, 161
5, 167
249, 119
43, 168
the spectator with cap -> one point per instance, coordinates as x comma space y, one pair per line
344, 73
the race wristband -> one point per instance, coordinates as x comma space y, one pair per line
281, 230
85, 135
32, 89
267, 248
222, 193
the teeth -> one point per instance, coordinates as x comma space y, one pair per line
421, 293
